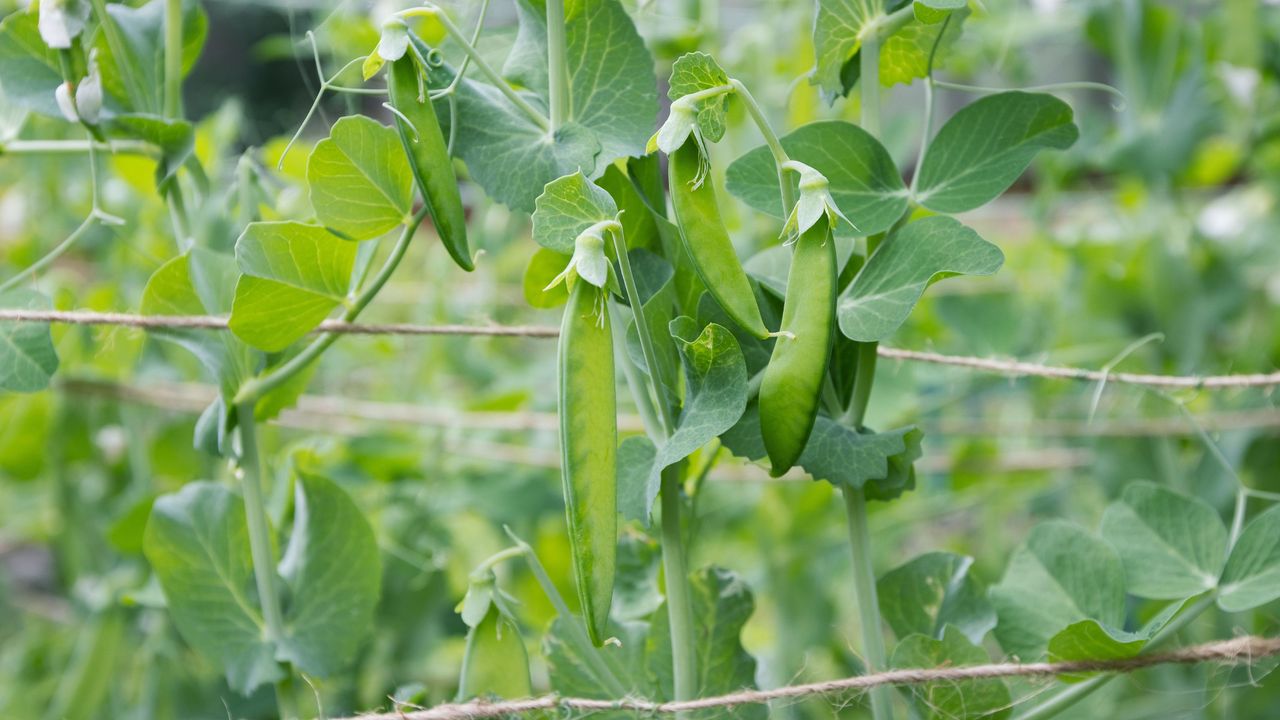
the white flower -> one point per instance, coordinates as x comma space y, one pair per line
815, 201
89, 92
680, 124
68, 106
394, 41
61, 21
589, 261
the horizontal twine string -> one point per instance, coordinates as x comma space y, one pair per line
1234, 651
991, 365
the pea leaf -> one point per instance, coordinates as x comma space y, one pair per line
294, 275
655, 283
865, 182
933, 592
27, 356
884, 292
574, 673
1172, 545
1091, 640
985, 147
360, 180
495, 663
635, 459
544, 266
333, 570
988, 698
175, 138
837, 36
697, 71
136, 81
197, 542
567, 206
904, 56
614, 104
716, 394
1059, 576
1252, 575
722, 604
29, 70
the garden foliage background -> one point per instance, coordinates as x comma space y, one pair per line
1161, 219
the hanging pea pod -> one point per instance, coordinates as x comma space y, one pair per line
707, 241
792, 381
495, 663
588, 439
424, 144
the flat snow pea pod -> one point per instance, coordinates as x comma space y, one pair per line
707, 241
792, 382
588, 443
429, 158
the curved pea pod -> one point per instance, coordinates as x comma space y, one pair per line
707, 241
588, 444
495, 663
428, 154
792, 381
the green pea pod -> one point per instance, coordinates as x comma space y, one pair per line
495, 662
792, 381
588, 442
707, 241
429, 159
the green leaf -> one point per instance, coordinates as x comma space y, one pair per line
1059, 576
294, 275
635, 459
573, 667
837, 36
27, 357
697, 71
983, 148
175, 138
655, 282
1252, 575
1091, 640
361, 183
951, 700
495, 663
935, 11
1172, 545
864, 181
884, 292
932, 592
198, 544
614, 94
333, 571
567, 206
904, 56
29, 71
543, 268
721, 605
636, 591
716, 394
136, 81
771, 266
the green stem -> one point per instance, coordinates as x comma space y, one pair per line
494, 560
254, 389
642, 329
115, 43
77, 147
780, 158
869, 82
864, 378
557, 67
679, 606
644, 401
1079, 691
577, 631
264, 562
178, 215
864, 586
1051, 87
53, 254
173, 58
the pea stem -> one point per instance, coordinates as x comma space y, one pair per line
53, 254
679, 606
869, 83
642, 329
557, 67
780, 158
264, 562
254, 389
864, 586
115, 43
172, 58
863, 379
639, 391
76, 147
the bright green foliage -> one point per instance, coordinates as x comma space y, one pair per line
985, 147
933, 591
1060, 576
1252, 575
28, 67
27, 357
294, 275
575, 674
543, 268
1092, 640
951, 700
864, 182
136, 80
496, 663
891, 283
565, 208
174, 138
697, 71
904, 57
635, 458
837, 36
1173, 546
656, 286
361, 184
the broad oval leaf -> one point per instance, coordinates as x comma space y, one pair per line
864, 181
884, 292
1059, 576
567, 206
985, 147
696, 71
1092, 640
950, 700
360, 180
28, 67
28, 359
294, 275
1252, 575
1172, 545
931, 592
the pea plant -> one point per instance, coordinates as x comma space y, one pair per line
771, 359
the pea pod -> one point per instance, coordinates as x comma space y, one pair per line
707, 241
792, 381
429, 158
588, 442
495, 662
